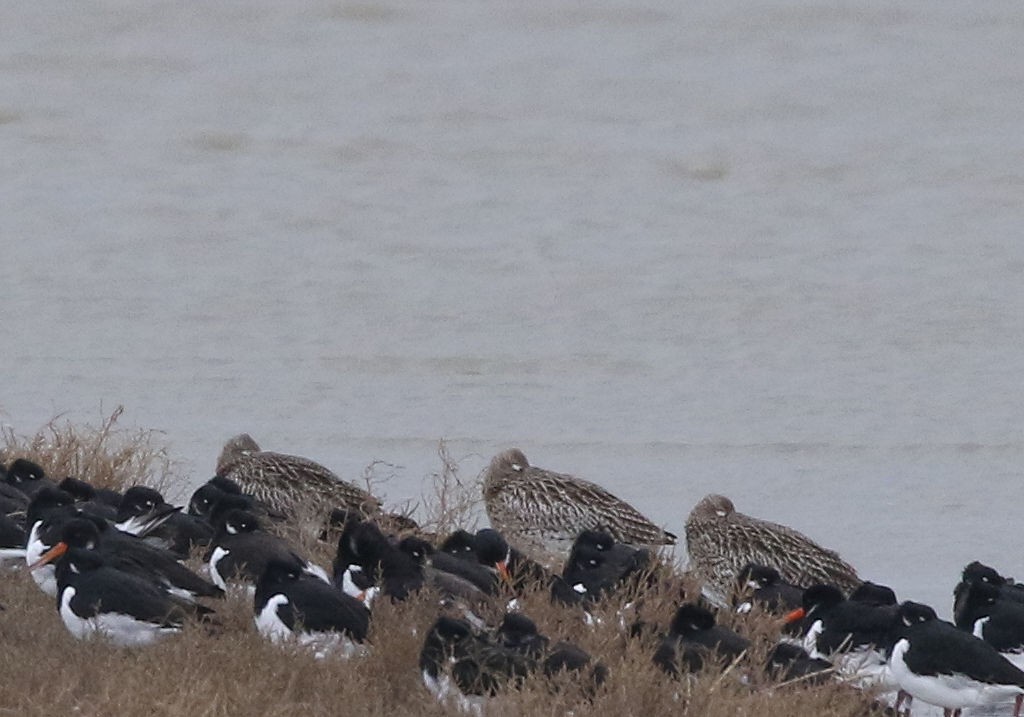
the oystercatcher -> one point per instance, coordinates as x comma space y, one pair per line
132, 555
96, 598
762, 586
290, 603
981, 609
694, 640
241, 549
934, 661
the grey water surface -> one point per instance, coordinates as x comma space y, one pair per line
764, 248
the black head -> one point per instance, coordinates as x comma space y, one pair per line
236, 522
368, 545
596, 539
980, 573
820, 597
228, 502
460, 544
417, 548
756, 576
23, 470
77, 561
982, 594
281, 571
225, 484
691, 618
45, 501
81, 533
77, 489
912, 613
139, 500
491, 547
516, 624
520, 633
874, 594
584, 558
451, 630
203, 500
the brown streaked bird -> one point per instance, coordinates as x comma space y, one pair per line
294, 486
721, 541
541, 512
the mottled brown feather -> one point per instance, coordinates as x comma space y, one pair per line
720, 541
292, 485
541, 512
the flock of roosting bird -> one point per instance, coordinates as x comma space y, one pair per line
114, 564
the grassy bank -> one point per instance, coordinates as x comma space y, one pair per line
233, 671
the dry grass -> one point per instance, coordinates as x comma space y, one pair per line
107, 455
43, 670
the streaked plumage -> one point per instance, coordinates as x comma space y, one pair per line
720, 541
541, 512
296, 486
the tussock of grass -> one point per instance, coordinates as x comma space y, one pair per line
231, 670
107, 455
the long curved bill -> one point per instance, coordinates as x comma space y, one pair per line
50, 555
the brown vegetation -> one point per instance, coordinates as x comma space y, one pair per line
233, 671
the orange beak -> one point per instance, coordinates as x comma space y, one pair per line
50, 555
502, 567
795, 616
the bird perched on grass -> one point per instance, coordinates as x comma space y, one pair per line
541, 512
721, 541
295, 486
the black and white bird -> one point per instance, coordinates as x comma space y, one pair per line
129, 554
95, 598
28, 477
598, 566
219, 495
143, 511
854, 635
694, 640
979, 572
241, 549
83, 491
934, 661
448, 574
518, 632
763, 587
47, 512
462, 668
981, 609
790, 663
290, 603
514, 567
367, 563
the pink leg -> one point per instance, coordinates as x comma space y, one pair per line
902, 696
1017, 704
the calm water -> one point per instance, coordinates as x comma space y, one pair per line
769, 249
